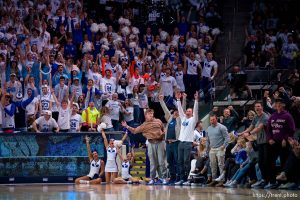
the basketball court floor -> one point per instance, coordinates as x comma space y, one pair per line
136, 192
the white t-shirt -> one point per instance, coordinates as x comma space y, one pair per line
192, 66
115, 108
129, 117
207, 68
96, 77
46, 126
75, 121
30, 108
45, 101
179, 80
7, 120
108, 85
64, 118
168, 84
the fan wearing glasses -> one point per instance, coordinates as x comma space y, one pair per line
96, 175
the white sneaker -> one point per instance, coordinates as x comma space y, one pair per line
164, 182
151, 182
179, 182
84, 182
187, 183
220, 178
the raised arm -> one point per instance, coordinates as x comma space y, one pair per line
196, 107
184, 95
179, 107
104, 139
164, 107
88, 147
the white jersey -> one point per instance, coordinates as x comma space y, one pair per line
114, 69
30, 108
111, 164
129, 117
198, 135
7, 120
96, 77
45, 101
14, 88
125, 170
207, 68
179, 80
108, 85
95, 167
115, 108
167, 85
192, 66
75, 121
64, 118
111, 153
46, 126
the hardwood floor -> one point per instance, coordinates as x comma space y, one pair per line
138, 192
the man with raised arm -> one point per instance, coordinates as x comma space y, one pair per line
153, 130
186, 138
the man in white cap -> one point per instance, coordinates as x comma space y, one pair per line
13, 86
45, 123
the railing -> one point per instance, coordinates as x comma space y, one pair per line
47, 157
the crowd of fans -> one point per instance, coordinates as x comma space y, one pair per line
64, 71
106, 69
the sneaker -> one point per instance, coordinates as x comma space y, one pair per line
281, 177
259, 184
271, 186
195, 172
212, 184
220, 184
179, 182
288, 186
220, 178
84, 182
158, 182
233, 184
151, 182
129, 182
164, 182
227, 183
196, 184
187, 183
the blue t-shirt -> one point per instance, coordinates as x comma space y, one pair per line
171, 135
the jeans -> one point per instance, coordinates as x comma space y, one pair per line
136, 114
172, 157
184, 159
262, 159
115, 124
157, 157
274, 151
205, 86
240, 173
217, 159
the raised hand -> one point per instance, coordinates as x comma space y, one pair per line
196, 96
161, 97
178, 95
124, 124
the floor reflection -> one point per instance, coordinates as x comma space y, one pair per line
125, 192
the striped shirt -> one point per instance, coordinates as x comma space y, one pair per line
153, 129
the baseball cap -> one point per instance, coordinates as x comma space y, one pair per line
45, 86
76, 104
47, 112
13, 74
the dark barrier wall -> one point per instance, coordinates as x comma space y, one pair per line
46, 157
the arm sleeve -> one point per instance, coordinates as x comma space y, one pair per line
12, 110
180, 110
165, 109
28, 101
225, 135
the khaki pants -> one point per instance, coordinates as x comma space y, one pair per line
157, 157
217, 158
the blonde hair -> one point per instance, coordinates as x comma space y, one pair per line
202, 146
251, 112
